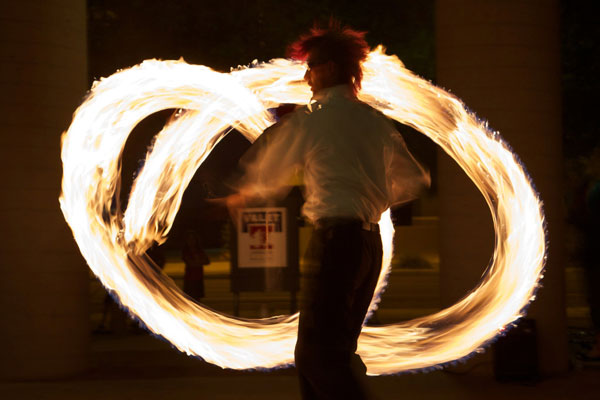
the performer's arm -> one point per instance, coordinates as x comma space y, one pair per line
406, 177
267, 167
271, 161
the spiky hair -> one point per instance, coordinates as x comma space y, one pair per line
346, 47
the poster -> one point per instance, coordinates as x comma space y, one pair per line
262, 237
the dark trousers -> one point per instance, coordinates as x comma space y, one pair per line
343, 264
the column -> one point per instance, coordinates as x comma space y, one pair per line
501, 57
43, 278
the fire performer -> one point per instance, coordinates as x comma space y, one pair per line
355, 165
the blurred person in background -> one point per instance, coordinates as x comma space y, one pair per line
195, 259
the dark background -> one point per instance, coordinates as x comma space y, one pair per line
226, 33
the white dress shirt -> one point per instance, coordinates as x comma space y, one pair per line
354, 162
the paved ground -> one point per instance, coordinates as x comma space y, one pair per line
136, 366
265, 387
140, 367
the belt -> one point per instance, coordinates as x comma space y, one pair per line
325, 223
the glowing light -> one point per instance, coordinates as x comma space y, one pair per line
114, 243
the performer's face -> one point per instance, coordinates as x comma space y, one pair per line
321, 73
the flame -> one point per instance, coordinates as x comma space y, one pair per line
114, 243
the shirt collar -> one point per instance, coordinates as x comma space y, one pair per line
334, 92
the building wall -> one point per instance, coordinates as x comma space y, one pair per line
44, 281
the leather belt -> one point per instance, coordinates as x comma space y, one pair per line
325, 223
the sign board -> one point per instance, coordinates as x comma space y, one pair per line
262, 237
264, 249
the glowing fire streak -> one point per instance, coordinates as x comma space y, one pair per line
114, 243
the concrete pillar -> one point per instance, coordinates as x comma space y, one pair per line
501, 57
44, 282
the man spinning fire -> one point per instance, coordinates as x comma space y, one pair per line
355, 166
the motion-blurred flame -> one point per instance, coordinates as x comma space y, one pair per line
114, 243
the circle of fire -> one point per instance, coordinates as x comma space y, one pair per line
114, 242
